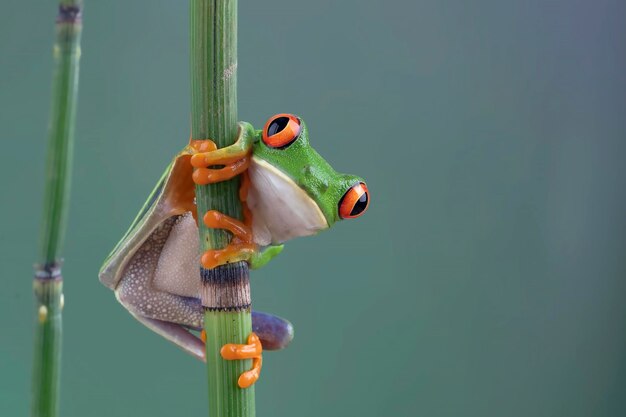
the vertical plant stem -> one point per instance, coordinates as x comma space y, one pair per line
48, 283
226, 289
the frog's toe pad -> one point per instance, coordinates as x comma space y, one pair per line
248, 378
251, 350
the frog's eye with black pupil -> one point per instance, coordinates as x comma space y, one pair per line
281, 130
354, 202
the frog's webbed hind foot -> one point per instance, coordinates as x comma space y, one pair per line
271, 331
251, 350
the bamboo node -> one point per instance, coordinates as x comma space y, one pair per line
47, 272
69, 14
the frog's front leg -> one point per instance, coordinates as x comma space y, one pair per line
234, 158
241, 246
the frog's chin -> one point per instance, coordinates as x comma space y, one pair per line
281, 210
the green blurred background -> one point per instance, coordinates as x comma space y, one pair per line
488, 276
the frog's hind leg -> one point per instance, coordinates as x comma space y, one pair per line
161, 283
274, 332
167, 311
169, 315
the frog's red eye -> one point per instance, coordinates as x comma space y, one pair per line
354, 202
281, 130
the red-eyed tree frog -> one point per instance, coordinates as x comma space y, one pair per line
291, 191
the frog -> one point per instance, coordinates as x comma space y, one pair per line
287, 190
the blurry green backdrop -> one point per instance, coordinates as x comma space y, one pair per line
488, 277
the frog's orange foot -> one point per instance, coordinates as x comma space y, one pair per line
241, 246
234, 252
204, 176
252, 350
234, 160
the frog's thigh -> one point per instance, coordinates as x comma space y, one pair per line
138, 290
178, 266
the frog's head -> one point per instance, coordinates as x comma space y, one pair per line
294, 191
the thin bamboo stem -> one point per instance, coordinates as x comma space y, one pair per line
48, 283
225, 397
213, 38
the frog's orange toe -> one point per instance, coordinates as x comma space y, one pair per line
250, 377
202, 176
202, 145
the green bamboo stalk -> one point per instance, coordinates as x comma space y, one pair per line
226, 292
48, 282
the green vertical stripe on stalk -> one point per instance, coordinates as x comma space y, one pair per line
213, 37
48, 283
214, 101
225, 396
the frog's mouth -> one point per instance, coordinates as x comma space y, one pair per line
281, 210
